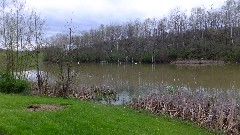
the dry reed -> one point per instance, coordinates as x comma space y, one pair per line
215, 110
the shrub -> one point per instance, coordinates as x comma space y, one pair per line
229, 57
146, 57
115, 57
10, 84
237, 54
173, 55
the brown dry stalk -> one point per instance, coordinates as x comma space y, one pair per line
218, 112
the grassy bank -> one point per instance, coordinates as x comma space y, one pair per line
83, 118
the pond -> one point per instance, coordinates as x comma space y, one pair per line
139, 79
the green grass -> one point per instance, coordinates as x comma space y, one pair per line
84, 118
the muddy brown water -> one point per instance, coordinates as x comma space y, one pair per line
139, 79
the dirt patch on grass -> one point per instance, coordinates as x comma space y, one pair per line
46, 107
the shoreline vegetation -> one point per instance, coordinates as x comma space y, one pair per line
214, 110
197, 62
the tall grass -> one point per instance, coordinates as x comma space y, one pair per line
216, 110
11, 84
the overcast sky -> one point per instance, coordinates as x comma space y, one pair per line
87, 14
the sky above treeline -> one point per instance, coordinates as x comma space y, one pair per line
87, 14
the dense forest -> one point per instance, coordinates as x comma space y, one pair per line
210, 34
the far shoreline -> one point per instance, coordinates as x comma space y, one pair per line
196, 62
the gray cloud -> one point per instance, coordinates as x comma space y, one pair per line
88, 14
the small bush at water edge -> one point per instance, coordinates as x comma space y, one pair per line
9, 84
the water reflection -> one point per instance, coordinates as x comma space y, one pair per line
122, 98
30, 75
132, 80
